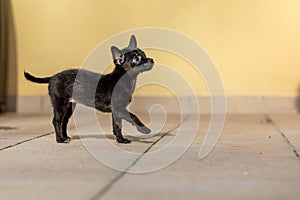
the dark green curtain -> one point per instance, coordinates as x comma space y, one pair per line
7, 58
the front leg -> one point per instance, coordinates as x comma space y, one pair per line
134, 120
138, 124
117, 129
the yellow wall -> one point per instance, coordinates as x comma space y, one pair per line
255, 44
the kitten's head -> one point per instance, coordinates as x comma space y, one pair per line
131, 59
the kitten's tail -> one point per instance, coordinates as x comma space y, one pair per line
36, 79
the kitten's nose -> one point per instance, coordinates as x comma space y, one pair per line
151, 60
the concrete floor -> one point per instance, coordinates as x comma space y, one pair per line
256, 157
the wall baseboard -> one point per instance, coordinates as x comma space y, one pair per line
171, 105
33, 105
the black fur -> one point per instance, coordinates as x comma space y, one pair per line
107, 93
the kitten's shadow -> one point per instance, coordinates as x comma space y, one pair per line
112, 137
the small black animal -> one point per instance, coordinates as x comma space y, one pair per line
107, 93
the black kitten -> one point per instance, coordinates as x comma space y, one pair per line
107, 93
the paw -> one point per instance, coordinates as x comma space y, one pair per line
63, 140
123, 140
143, 129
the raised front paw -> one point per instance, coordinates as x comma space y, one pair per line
143, 129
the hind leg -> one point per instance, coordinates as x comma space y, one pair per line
60, 108
68, 114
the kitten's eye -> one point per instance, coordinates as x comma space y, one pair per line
135, 59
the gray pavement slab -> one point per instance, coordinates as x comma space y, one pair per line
250, 161
18, 128
289, 126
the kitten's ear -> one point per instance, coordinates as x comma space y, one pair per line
116, 53
132, 42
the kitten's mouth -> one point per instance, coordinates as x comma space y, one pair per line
146, 66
